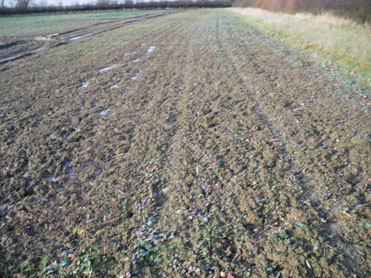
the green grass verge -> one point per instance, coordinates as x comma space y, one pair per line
325, 37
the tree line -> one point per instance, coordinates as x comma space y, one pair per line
359, 10
26, 6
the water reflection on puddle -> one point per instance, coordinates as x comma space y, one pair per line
52, 35
98, 173
49, 178
135, 77
66, 135
107, 68
37, 198
104, 112
130, 53
79, 37
66, 166
84, 85
150, 49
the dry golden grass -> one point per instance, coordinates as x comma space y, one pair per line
343, 39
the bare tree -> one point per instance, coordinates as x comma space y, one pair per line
23, 4
103, 3
2, 3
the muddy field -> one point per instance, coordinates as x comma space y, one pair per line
183, 145
66, 30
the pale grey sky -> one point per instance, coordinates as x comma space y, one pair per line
55, 2
11, 3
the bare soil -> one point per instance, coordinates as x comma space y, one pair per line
220, 152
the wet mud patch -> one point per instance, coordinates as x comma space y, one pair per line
25, 46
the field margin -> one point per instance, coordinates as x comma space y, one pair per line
346, 65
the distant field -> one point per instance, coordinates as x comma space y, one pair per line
39, 24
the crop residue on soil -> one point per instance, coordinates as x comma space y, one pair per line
233, 155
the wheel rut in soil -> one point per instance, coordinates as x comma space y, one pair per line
58, 39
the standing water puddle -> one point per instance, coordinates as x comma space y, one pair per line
136, 60
49, 178
114, 86
130, 53
37, 198
107, 68
66, 135
20, 55
135, 77
52, 35
66, 166
150, 49
104, 112
81, 36
84, 85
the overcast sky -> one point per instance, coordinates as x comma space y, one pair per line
55, 2
11, 3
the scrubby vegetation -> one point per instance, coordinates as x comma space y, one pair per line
108, 5
359, 10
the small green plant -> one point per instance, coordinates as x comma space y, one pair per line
94, 247
213, 229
